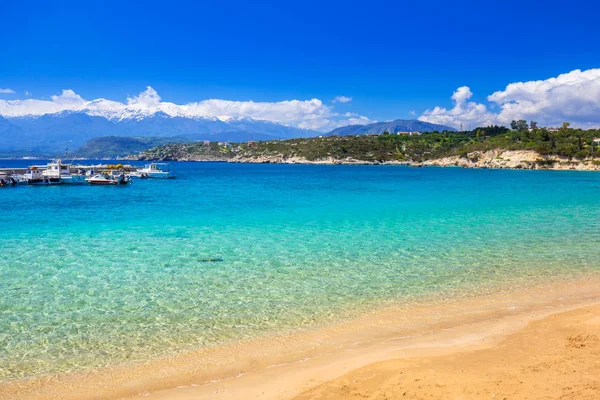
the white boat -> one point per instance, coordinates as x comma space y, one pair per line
35, 176
20, 179
108, 179
7, 181
158, 170
64, 172
138, 175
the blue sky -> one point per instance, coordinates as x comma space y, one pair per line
390, 57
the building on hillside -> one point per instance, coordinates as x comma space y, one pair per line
225, 144
207, 142
408, 133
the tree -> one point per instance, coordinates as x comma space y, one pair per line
533, 125
520, 125
491, 131
566, 125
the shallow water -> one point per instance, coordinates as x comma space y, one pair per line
93, 276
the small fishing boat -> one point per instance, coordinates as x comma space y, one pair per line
158, 170
64, 172
108, 179
34, 176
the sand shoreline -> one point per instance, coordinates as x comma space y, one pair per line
556, 357
285, 366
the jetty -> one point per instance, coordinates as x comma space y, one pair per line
101, 168
56, 172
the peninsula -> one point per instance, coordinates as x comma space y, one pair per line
562, 148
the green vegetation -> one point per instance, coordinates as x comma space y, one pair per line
114, 147
565, 142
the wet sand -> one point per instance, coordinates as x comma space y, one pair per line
542, 341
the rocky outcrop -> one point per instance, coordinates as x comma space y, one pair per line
513, 159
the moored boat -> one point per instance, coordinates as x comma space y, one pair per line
64, 172
20, 179
7, 181
108, 179
34, 176
138, 175
158, 170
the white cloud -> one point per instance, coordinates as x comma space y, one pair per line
572, 97
148, 98
465, 112
69, 99
307, 114
27, 93
359, 120
342, 99
6, 91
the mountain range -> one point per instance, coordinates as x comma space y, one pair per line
53, 133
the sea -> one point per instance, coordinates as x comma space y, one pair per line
94, 276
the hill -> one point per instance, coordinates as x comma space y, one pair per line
540, 148
398, 125
115, 147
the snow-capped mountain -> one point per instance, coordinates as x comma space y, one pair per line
53, 132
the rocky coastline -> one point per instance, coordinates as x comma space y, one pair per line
492, 159
513, 159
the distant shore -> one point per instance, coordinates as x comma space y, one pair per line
409, 339
492, 159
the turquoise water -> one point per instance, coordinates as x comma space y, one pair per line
94, 276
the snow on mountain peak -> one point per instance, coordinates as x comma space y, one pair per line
308, 114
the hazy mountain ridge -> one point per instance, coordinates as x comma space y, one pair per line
70, 129
53, 133
398, 125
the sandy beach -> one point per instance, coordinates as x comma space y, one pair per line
557, 357
536, 343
